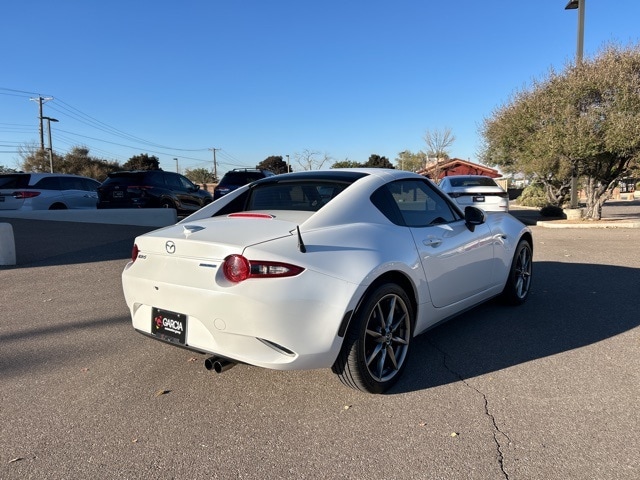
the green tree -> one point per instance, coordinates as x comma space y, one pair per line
585, 119
411, 162
376, 161
347, 164
142, 162
36, 160
200, 175
274, 164
78, 161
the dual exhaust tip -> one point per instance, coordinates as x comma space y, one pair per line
218, 364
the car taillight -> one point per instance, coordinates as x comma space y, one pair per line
25, 194
237, 268
134, 252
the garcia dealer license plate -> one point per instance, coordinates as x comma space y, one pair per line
169, 326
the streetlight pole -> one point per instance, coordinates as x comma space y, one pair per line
580, 6
49, 120
177, 170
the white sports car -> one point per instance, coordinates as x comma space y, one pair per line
339, 268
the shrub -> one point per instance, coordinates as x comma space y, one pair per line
533, 196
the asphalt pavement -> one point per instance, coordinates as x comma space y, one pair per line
547, 390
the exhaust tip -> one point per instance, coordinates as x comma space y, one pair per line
218, 364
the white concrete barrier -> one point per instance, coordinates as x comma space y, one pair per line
144, 217
7, 245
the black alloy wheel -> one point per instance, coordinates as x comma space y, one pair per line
516, 290
376, 345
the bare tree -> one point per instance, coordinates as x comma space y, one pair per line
311, 160
438, 143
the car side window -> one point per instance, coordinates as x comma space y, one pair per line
417, 204
48, 183
90, 185
173, 182
186, 183
71, 183
155, 177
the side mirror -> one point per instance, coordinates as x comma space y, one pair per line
474, 216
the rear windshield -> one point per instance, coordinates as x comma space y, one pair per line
306, 196
14, 181
241, 178
472, 182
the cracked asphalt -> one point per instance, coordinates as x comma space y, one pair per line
543, 391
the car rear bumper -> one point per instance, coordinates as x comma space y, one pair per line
291, 326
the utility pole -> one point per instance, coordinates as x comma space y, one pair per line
49, 120
40, 101
215, 164
580, 6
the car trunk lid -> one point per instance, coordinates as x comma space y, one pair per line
215, 238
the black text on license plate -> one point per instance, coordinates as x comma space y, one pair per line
169, 326
478, 198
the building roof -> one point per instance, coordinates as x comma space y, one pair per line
457, 166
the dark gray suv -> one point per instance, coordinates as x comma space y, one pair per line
238, 177
152, 189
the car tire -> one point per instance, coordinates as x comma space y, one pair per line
166, 203
516, 290
376, 345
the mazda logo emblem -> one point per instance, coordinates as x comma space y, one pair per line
170, 247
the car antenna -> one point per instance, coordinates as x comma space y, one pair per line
301, 246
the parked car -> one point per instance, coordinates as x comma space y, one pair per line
47, 191
152, 189
476, 190
237, 178
332, 269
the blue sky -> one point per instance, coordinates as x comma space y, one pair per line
256, 78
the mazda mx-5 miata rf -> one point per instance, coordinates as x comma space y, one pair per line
332, 269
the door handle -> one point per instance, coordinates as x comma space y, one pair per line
432, 242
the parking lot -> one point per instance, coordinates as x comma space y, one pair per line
546, 390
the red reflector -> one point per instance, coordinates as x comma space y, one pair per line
134, 252
249, 215
25, 194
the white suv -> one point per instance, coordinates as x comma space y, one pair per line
47, 191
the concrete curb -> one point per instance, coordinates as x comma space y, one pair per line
587, 224
144, 217
7, 245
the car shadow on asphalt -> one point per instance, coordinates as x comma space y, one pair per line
49, 243
570, 306
30, 350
